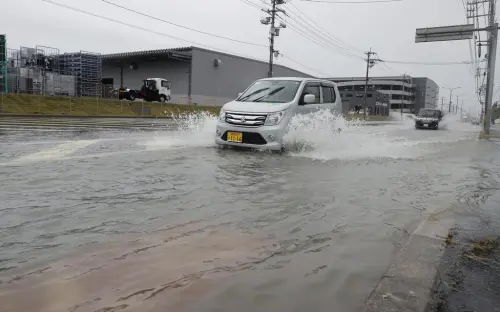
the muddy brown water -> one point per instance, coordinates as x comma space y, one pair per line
166, 221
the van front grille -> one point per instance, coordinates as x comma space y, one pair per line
245, 119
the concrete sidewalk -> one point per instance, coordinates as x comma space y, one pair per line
494, 133
408, 284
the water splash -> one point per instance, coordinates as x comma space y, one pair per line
197, 129
323, 135
326, 136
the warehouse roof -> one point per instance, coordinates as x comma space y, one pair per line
182, 53
147, 52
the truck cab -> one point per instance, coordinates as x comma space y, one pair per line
156, 89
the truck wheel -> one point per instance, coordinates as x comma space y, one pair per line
131, 97
168, 97
163, 98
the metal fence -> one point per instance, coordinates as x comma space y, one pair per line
29, 104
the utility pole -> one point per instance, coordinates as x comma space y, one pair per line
466, 32
369, 64
492, 54
456, 107
273, 30
442, 102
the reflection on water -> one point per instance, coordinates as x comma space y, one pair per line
179, 225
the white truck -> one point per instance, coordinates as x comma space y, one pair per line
156, 89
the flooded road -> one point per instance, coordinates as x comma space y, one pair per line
165, 221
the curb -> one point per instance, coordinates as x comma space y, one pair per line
483, 136
409, 281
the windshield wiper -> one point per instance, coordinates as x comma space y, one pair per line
253, 93
269, 94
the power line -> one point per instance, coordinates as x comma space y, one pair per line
352, 2
250, 3
324, 32
152, 31
323, 74
306, 32
181, 26
429, 64
141, 28
320, 43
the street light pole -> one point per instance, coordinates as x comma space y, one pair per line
451, 93
456, 107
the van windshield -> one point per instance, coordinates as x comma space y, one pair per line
275, 91
428, 113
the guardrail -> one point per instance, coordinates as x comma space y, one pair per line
209, 99
184, 97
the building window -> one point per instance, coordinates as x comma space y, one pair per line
348, 95
369, 95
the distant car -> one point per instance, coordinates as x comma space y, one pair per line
475, 121
428, 119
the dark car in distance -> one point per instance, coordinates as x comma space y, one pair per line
428, 118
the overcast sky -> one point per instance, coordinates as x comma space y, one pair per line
388, 28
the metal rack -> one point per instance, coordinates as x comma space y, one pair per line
87, 69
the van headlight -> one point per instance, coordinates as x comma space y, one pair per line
222, 115
274, 118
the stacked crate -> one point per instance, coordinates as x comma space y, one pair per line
86, 67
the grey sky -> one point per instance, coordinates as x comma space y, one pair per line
389, 28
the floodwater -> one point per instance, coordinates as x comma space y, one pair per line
164, 220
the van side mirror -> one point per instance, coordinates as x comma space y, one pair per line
309, 98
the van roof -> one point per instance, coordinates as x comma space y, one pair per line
297, 79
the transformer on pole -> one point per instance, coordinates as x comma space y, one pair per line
274, 31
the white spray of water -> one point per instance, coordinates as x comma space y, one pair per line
325, 136
193, 130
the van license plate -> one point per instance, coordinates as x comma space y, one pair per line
234, 137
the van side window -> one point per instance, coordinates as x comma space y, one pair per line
164, 83
312, 89
329, 95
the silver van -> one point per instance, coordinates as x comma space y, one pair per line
259, 117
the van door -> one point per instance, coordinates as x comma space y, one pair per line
329, 97
310, 88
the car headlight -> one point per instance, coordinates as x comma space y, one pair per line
274, 118
222, 115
